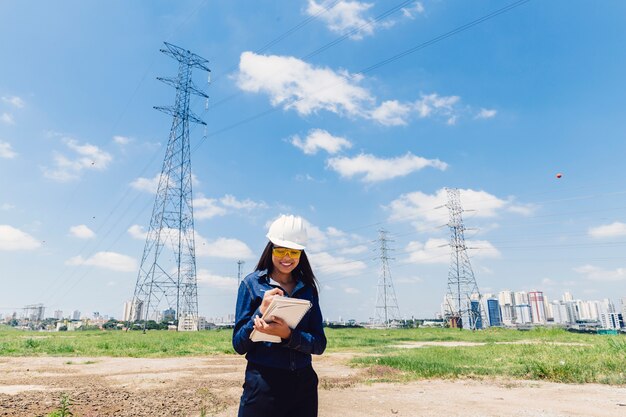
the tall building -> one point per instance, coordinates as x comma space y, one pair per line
58, 314
568, 296
507, 307
132, 314
76, 315
521, 297
475, 305
170, 315
610, 320
559, 312
572, 310
582, 307
522, 314
548, 309
493, 312
537, 309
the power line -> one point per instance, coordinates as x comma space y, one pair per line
376, 65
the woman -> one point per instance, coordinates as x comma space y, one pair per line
279, 381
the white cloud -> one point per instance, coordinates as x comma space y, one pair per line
523, 209
247, 204
353, 250
608, 230
7, 118
207, 208
89, 157
296, 84
594, 273
137, 232
6, 151
433, 251
7, 207
121, 140
431, 105
222, 248
344, 17
14, 239
429, 208
349, 17
486, 114
148, 185
391, 113
437, 250
208, 279
107, 260
320, 139
379, 169
15, 101
82, 232
409, 12
351, 290
326, 264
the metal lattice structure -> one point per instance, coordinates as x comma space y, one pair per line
463, 306
387, 311
167, 275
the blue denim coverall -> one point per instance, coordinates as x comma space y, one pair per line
279, 378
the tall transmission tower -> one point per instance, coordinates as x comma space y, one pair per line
386, 303
167, 275
463, 297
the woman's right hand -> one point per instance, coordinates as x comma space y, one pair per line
267, 298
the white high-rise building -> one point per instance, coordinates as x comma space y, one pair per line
521, 297
594, 310
583, 310
609, 320
572, 311
568, 296
507, 307
522, 314
132, 314
559, 312
548, 309
537, 308
58, 314
76, 315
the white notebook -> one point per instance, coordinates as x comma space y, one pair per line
289, 309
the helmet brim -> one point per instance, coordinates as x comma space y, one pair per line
285, 243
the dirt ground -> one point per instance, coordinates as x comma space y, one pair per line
128, 387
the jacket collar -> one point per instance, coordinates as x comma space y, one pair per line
265, 278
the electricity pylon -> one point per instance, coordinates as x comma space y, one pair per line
167, 275
386, 302
463, 298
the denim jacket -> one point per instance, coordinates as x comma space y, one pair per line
306, 339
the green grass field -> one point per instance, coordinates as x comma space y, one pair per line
547, 354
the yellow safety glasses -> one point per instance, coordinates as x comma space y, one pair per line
282, 252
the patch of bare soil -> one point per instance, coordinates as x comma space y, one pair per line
125, 387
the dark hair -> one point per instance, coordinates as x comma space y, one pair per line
302, 272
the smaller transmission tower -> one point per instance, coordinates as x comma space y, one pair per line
386, 303
463, 305
239, 266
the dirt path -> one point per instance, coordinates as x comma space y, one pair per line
127, 387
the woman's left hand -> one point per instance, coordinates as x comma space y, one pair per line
276, 327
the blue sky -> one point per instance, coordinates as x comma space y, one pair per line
496, 111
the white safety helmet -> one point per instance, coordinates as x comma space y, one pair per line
288, 232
